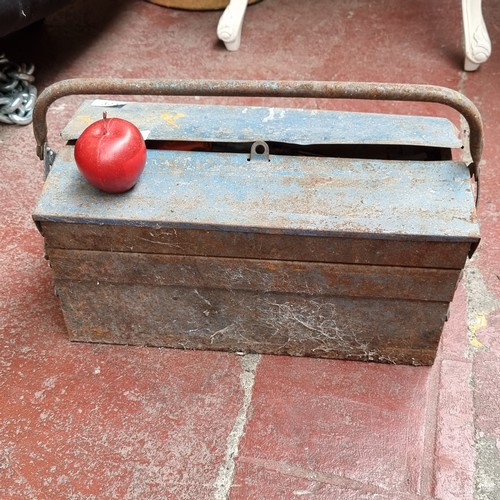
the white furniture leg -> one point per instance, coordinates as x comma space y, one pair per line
477, 41
230, 24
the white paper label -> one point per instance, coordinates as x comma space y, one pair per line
103, 103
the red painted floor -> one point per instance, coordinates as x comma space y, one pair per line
95, 422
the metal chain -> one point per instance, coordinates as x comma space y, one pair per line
17, 94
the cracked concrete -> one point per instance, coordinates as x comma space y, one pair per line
487, 485
479, 298
480, 304
224, 480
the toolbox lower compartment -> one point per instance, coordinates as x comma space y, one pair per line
386, 330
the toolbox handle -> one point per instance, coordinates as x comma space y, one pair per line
262, 88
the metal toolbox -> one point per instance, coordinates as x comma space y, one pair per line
268, 230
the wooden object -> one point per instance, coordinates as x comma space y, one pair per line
196, 4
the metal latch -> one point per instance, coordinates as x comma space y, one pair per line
259, 151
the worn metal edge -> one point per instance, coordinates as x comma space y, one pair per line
40, 218
412, 357
451, 141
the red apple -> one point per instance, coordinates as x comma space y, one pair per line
111, 154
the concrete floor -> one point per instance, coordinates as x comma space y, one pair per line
83, 421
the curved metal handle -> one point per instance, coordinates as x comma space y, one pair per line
265, 88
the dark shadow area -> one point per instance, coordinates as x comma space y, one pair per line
55, 42
18, 14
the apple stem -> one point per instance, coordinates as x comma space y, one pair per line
105, 123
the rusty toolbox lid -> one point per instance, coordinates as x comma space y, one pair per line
182, 122
407, 200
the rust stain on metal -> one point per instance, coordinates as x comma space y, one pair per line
266, 88
316, 256
119, 238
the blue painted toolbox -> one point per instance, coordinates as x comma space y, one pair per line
265, 229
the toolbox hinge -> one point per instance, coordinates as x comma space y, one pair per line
48, 158
474, 173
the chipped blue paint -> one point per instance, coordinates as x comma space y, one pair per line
248, 124
289, 195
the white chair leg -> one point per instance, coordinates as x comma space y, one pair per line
477, 41
231, 23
